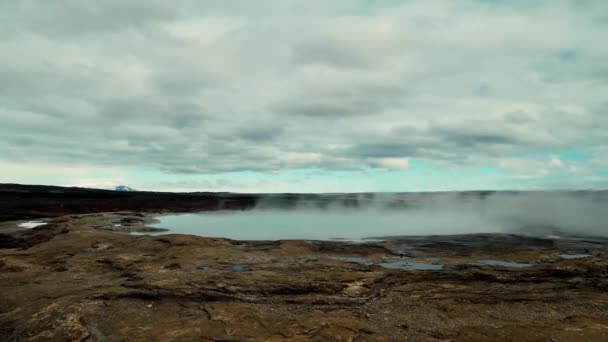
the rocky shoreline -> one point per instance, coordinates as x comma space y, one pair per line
86, 278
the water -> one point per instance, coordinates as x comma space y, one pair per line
355, 260
240, 268
401, 264
353, 225
574, 256
412, 266
361, 216
32, 224
502, 263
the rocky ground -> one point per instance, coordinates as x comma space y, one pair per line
85, 278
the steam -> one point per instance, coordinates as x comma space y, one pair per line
582, 213
360, 216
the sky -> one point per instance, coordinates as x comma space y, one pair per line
305, 96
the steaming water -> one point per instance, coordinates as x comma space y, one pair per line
353, 217
319, 225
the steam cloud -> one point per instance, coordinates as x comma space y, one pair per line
582, 213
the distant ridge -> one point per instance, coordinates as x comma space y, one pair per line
124, 188
36, 188
19, 202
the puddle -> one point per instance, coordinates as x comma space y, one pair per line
411, 265
239, 268
202, 268
401, 264
355, 260
32, 224
148, 232
574, 256
502, 263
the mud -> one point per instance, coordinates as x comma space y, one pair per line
88, 278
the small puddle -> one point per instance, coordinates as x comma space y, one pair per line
402, 264
32, 224
355, 260
239, 268
202, 268
502, 263
411, 265
574, 256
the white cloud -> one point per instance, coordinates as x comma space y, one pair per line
555, 161
391, 163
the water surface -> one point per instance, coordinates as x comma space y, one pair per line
32, 224
574, 256
502, 263
399, 264
360, 216
321, 224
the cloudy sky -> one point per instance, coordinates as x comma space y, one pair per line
336, 95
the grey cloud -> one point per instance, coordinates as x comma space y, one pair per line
68, 17
466, 138
334, 107
331, 53
384, 150
260, 133
328, 98
175, 113
209, 86
518, 117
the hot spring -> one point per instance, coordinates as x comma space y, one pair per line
541, 214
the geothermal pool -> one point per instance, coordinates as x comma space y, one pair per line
539, 214
320, 225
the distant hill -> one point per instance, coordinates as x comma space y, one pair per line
124, 188
20, 202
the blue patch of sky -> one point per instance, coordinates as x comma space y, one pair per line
574, 155
567, 155
513, 3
